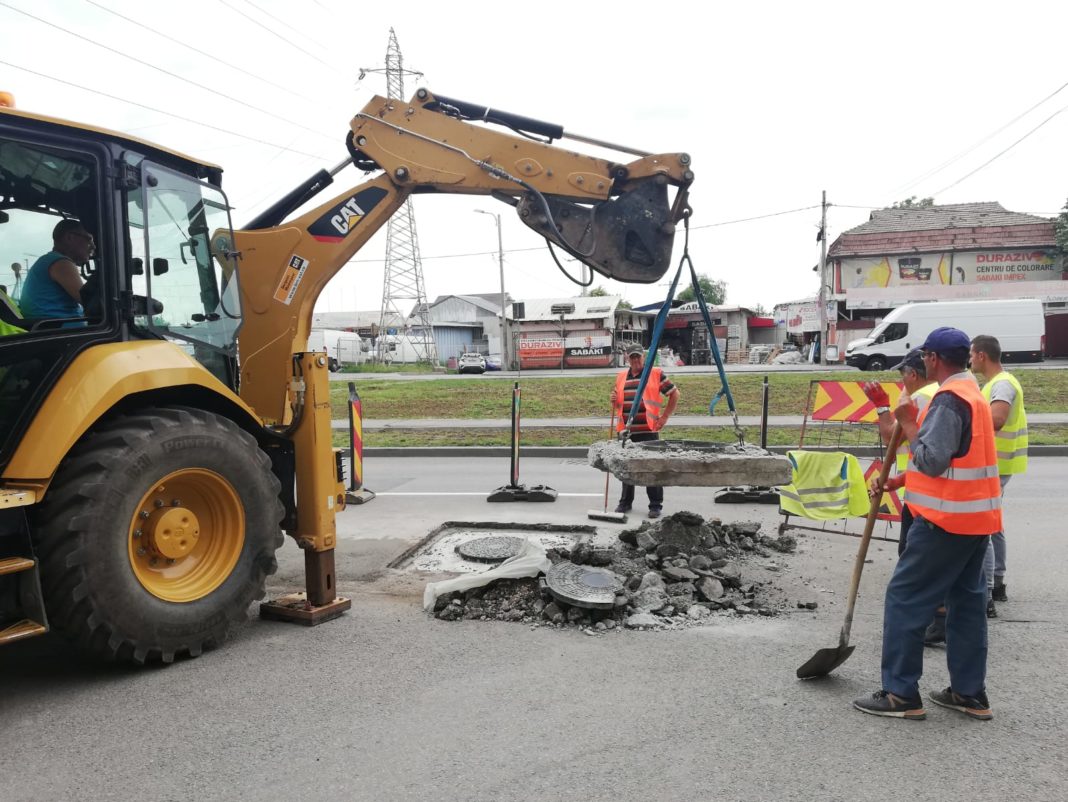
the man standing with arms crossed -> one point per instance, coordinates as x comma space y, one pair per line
649, 418
1003, 392
952, 488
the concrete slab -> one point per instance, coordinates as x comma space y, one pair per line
689, 463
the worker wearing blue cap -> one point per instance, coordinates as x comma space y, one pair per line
953, 490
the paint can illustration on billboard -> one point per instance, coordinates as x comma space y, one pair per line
908, 269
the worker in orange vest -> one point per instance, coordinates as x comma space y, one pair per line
649, 419
952, 487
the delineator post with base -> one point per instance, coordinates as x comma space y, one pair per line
513, 491
356, 493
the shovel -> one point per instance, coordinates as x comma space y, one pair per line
598, 515
825, 661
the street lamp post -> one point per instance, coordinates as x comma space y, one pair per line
500, 264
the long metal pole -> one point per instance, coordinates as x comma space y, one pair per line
823, 280
504, 308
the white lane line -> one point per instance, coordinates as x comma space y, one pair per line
567, 495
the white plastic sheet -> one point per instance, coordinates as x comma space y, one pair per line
530, 561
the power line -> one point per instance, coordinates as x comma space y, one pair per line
197, 50
909, 185
289, 42
267, 13
757, 217
165, 72
160, 111
1002, 153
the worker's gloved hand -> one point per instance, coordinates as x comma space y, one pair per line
876, 394
906, 411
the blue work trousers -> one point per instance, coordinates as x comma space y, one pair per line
936, 567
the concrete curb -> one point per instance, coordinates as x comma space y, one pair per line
580, 452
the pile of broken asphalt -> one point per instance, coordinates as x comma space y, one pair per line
675, 573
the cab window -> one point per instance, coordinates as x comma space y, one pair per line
893, 331
39, 186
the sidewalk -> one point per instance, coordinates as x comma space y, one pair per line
571, 423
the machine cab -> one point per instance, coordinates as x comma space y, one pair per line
155, 258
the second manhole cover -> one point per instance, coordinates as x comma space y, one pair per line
583, 585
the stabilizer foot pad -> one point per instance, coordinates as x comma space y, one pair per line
294, 607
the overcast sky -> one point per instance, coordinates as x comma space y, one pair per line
774, 101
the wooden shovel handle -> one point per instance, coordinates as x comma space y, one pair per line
869, 526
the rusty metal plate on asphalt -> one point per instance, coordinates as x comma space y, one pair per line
583, 585
491, 549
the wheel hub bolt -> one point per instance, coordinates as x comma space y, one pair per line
140, 552
144, 514
176, 502
170, 561
159, 503
137, 533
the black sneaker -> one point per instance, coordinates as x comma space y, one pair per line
991, 609
971, 706
999, 592
936, 631
654, 512
622, 507
883, 703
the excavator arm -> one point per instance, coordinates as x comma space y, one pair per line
615, 217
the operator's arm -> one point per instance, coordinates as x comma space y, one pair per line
946, 432
65, 273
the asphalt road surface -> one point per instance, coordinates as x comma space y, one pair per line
389, 704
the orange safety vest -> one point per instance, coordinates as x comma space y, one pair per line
650, 397
966, 499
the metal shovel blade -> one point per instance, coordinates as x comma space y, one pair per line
824, 662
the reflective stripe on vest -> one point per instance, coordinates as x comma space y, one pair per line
1012, 440
650, 398
825, 486
927, 392
966, 498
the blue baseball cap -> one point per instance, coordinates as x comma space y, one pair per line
946, 340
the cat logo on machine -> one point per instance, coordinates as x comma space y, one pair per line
338, 222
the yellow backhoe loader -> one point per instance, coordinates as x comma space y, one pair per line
155, 444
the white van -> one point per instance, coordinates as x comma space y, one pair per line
1020, 327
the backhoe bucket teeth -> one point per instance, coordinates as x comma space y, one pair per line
627, 238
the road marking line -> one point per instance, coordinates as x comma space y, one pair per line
567, 495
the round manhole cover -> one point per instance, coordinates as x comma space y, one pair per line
492, 549
583, 585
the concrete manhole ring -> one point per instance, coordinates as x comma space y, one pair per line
491, 549
583, 585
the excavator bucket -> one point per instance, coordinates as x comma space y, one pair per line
627, 238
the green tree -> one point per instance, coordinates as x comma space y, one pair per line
912, 202
601, 292
1060, 229
714, 292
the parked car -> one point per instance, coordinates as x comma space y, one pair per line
493, 363
471, 363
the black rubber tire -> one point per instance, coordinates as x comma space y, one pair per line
876, 363
81, 530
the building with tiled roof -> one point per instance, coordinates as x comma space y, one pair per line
955, 252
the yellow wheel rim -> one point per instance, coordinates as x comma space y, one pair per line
186, 535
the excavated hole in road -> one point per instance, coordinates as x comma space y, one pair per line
673, 573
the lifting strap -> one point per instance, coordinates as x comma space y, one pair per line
658, 330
